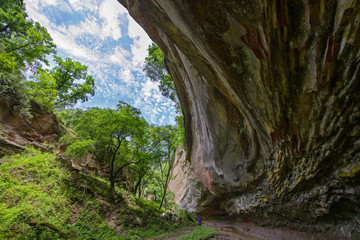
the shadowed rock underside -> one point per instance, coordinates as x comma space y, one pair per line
270, 95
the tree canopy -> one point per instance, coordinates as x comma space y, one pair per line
23, 42
155, 69
64, 85
116, 136
25, 46
122, 140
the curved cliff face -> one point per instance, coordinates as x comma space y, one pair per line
270, 94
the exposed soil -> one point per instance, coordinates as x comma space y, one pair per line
231, 230
228, 230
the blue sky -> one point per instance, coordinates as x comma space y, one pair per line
102, 35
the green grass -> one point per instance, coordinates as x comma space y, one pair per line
41, 197
200, 233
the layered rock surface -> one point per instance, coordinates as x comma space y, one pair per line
270, 95
19, 126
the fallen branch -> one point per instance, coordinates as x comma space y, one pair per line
45, 225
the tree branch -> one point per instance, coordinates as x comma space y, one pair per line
123, 166
5, 28
41, 225
14, 49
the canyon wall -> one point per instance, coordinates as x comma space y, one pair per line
270, 96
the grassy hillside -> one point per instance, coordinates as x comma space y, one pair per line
41, 197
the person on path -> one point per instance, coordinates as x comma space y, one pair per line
199, 220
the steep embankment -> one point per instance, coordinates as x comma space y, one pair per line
20, 125
270, 94
43, 197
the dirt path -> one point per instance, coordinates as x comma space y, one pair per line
229, 229
225, 229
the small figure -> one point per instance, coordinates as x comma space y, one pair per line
199, 220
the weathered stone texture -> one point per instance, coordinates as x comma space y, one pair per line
20, 128
270, 94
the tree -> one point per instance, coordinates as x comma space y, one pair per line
162, 162
113, 135
147, 151
155, 69
25, 45
65, 84
23, 42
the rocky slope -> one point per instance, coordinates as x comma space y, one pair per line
19, 126
270, 94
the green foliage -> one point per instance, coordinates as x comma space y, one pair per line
24, 46
116, 136
200, 233
63, 85
43, 91
155, 69
72, 81
69, 117
81, 146
37, 187
23, 41
30, 188
105, 128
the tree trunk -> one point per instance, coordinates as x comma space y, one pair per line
138, 186
112, 182
165, 185
112, 175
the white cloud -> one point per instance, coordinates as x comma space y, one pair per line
110, 11
126, 76
71, 47
87, 5
50, 2
140, 45
107, 22
148, 88
96, 41
120, 56
89, 26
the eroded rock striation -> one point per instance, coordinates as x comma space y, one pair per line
270, 95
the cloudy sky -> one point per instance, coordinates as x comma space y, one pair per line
102, 35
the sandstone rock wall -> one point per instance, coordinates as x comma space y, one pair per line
17, 127
189, 193
270, 95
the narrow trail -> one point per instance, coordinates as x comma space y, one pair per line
228, 231
231, 230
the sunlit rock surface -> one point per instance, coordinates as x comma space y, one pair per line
270, 94
189, 193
